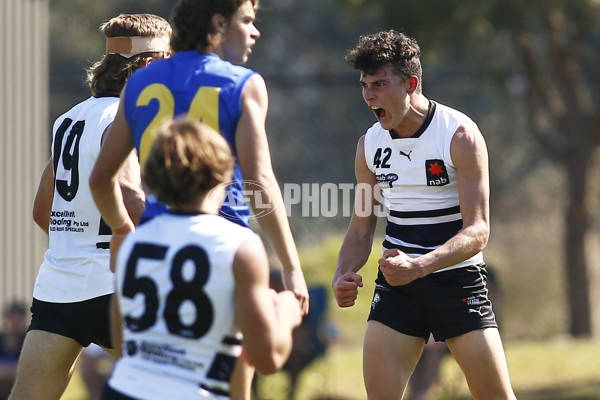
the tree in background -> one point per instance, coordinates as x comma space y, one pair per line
548, 49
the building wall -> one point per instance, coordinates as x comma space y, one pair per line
24, 147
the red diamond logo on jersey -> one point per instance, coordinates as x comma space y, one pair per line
436, 173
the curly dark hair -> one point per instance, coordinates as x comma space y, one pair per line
192, 22
186, 161
109, 75
389, 48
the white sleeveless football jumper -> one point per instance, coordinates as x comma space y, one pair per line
76, 264
418, 183
176, 292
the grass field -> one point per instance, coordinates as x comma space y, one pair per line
543, 366
554, 370
558, 369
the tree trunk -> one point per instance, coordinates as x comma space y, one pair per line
576, 266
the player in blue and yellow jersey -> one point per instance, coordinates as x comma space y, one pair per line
204, 80
211, 91
201, 80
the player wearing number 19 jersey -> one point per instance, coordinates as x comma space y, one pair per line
75, 264
70, 307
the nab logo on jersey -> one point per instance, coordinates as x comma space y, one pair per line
386, 180
436, 173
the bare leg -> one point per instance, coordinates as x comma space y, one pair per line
95, 365
389, 358
241, 380
426, 373
45, 366
481, 357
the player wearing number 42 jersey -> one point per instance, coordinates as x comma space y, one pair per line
431, 164
187, 280
70, 307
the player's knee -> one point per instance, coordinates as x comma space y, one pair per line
390, 390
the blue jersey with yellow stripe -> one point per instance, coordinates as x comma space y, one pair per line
201, 85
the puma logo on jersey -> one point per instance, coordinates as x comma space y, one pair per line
406, 155
436, 173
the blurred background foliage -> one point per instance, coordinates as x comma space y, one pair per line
526, 72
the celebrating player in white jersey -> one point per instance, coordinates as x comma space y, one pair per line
73, 289
430, 163
191, 284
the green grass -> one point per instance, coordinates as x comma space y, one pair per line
540, 370
549, 368
560, 369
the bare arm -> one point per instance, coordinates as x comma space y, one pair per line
106, 188
470, 156
255, 162
130, 182
42, 205
104, 182
358, 241
265, 318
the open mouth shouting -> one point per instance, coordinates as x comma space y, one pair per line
378, 111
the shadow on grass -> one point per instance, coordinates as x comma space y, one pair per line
578, 391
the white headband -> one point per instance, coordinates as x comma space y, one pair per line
130, 46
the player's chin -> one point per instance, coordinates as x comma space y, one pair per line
244, 57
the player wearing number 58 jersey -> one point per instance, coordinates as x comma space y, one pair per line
70, 307
190, 283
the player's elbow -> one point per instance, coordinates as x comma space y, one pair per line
95, 182
263, 177
135, 201
269, 355
267, 368
41, 218
481, 237
98, 183
269, 363
37, 217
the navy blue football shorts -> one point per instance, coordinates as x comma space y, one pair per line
446, 304
85, 321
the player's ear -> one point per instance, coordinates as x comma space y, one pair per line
144, 62
413, 84
219, 22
